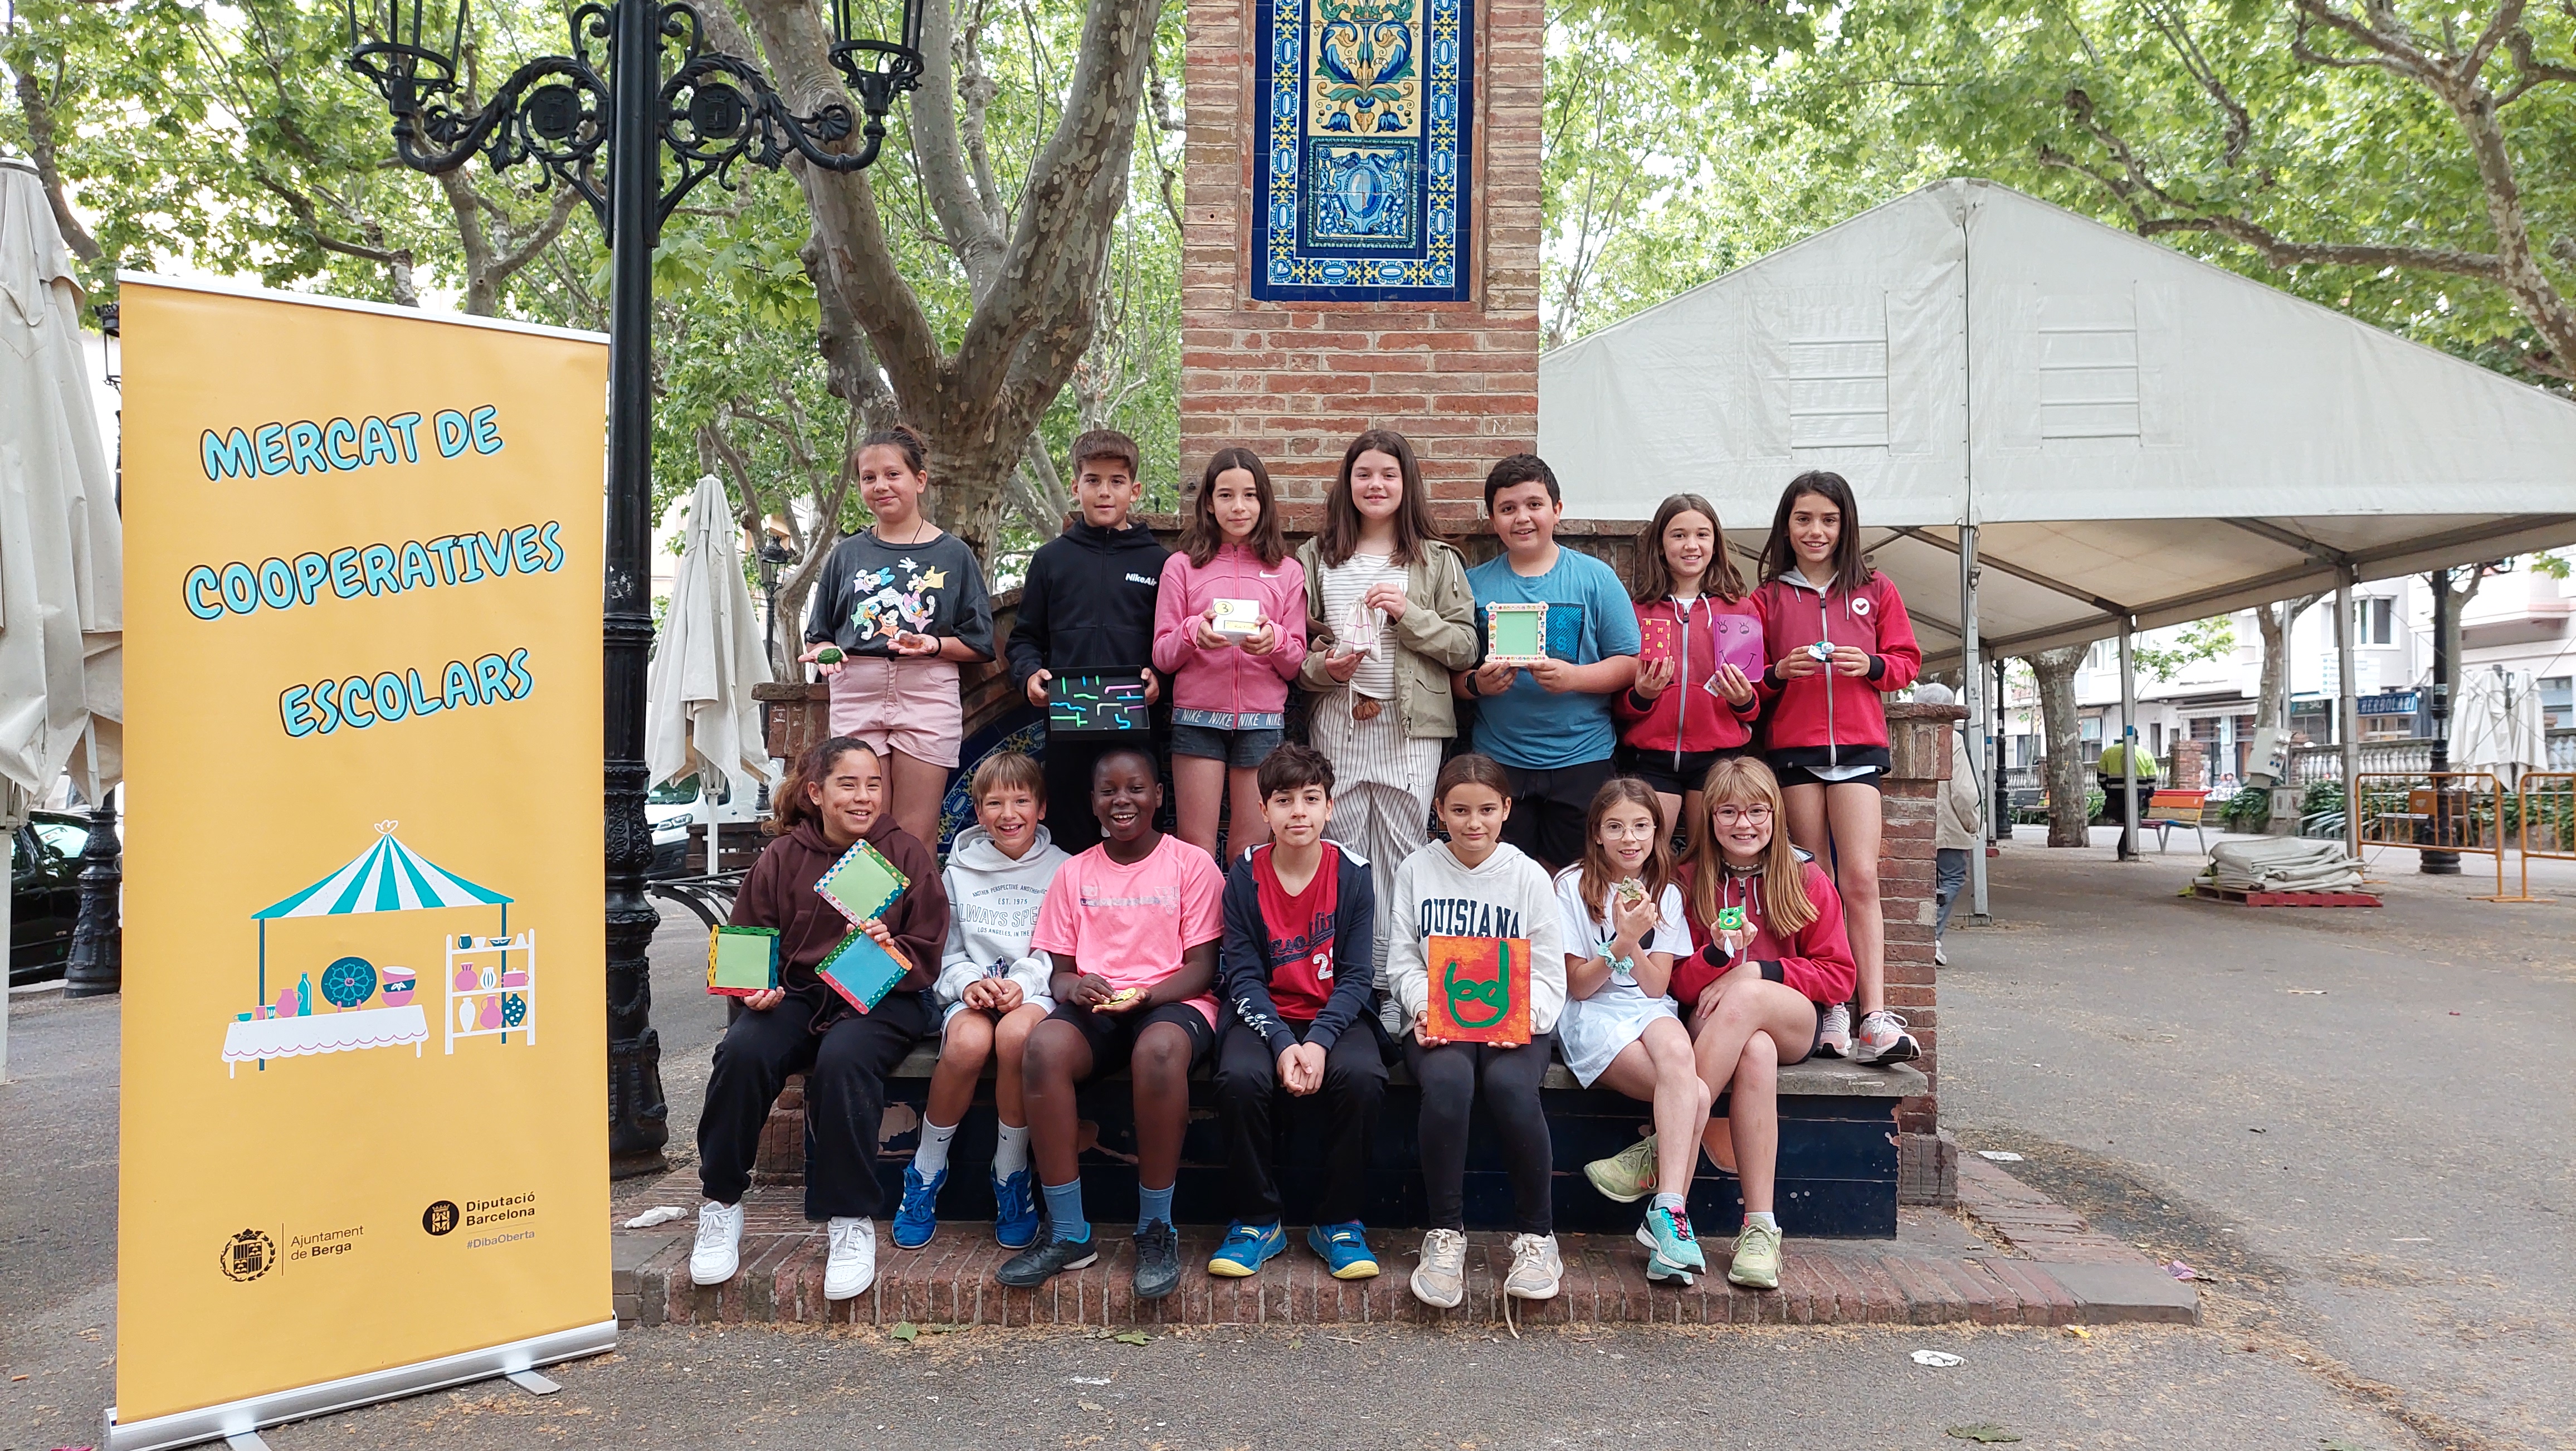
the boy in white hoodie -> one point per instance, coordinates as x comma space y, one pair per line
1477, 885
993, 990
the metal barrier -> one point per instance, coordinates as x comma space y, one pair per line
2552, 809
2453, 811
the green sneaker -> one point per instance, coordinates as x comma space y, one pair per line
1757, 1259
1626, 1176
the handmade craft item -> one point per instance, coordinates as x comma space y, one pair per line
1480, 989
348, 983
862, 884
1730, 919
1360, 629
828, 655
742, 960
1656, 639
1739, 643
1234, 617
863, 971
1516, 634
1096, 705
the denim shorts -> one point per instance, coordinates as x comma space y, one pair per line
1244, 749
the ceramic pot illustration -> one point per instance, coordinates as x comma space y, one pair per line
491, 1012
467, 979
398, 986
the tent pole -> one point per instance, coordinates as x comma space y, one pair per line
2128, 741
9, 858
1972, 694
2347, 713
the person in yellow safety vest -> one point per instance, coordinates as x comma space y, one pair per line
2108, 772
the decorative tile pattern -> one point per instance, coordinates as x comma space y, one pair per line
1366, 114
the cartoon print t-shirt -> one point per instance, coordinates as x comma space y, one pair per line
870, 590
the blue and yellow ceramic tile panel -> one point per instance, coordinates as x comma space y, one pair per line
1364, 168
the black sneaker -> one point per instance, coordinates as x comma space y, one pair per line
1042, 1261
1158, 1261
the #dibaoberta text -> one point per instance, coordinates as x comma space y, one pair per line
316, 579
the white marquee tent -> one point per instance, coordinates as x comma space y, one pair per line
2121, 436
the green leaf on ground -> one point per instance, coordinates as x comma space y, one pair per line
905, 1331
1132, 1337
1982, 1432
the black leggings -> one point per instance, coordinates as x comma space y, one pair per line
845, 1069
1449, 1076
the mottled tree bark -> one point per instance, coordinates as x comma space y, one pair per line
2067, 816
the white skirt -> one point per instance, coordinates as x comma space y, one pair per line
1594, 1029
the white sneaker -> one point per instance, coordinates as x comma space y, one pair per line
1939, 957
852, 1266
1883, 1039
1537, 1268
719, 1249
1833, 1032
1440, 1281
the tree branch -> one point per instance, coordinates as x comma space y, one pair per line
39, 112
953, 195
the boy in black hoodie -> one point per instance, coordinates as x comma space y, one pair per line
1296, 968
1087, 608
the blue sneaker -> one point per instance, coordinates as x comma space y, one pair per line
1246, 1249
1345, 1248
918, 1217
1669, 1235
1015, 1212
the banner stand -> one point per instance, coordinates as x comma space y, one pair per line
214, 1423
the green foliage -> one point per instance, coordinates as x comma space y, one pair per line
2200, 640
2249, 808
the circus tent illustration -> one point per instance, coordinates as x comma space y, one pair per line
487, 985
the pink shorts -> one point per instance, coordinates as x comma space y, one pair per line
909, 705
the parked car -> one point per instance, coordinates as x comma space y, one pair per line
673, 806
44, 895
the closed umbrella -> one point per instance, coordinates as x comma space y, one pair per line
2495, 726
62, 556
699, 712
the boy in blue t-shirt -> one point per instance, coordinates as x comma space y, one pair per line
1548, 724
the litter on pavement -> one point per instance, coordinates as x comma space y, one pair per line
1941, 1358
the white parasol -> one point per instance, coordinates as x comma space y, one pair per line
699, 714
2495, 726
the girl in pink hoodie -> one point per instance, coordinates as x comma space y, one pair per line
1230, 628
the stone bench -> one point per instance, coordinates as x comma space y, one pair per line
1838, 1153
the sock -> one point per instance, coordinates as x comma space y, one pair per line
1010, 1151
1064, 1211
1673, 1202
1153, 1206
931, 1159
1762, 1218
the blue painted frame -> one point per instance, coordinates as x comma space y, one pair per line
1344, 214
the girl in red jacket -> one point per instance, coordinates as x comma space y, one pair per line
1689, 705
1836, 634
1230, 629
1756, 995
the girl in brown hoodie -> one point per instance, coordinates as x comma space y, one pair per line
834, 798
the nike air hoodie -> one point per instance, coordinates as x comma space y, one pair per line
993, 906
1509, 895
1087, 606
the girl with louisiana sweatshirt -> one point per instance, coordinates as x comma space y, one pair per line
1476, 885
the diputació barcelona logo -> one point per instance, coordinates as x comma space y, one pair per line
248, 1255
439, 1218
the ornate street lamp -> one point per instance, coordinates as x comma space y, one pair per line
570, 114
97, 963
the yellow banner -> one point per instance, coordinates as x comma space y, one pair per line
364, 1053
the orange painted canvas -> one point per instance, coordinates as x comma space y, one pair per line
1480, 989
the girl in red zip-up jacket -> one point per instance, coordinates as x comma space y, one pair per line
1686, 709
1229, 686
1836, 634
1754, 996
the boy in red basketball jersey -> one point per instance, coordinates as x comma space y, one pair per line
1296, 968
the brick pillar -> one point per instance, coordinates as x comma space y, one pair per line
1918, 738
2190, 765
1293, 380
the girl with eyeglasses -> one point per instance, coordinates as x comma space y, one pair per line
1753, 997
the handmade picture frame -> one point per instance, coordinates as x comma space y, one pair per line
1097, 705
742, 961
1516, 634
862, 884
1480, 990
862, 971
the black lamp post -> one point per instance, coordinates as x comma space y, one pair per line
96, 967
773, 556
571, 115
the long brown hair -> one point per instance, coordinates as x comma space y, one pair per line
1743, 781
1414, 531
1205, 536
1654, 575
1598, 872
1470, 769
789, 807
1779, 556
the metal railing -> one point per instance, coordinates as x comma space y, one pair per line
2544, 808
2453, 811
